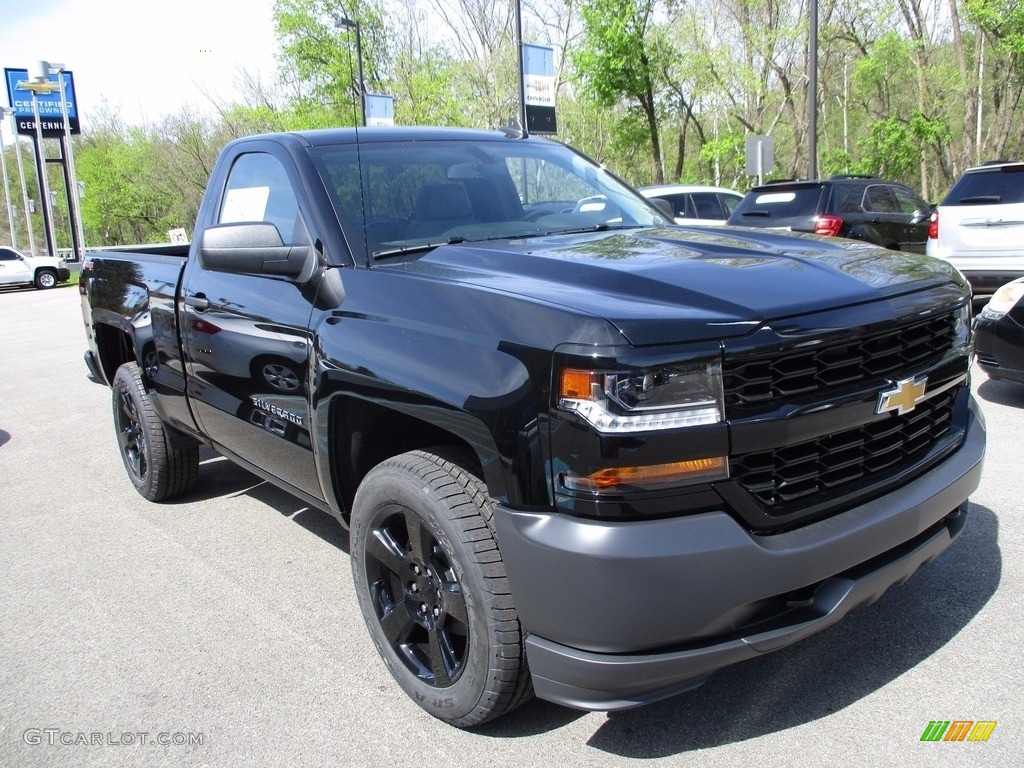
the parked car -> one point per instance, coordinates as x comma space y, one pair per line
858, 207
41, 271
694, 203
979, 226
999, 333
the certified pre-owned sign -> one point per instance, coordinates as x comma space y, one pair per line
51, 113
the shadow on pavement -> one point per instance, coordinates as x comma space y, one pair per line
222, 478
1001, 392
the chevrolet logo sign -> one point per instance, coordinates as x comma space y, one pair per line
904, 396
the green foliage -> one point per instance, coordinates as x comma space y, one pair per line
426, 90
729, 150
615, 61
1003, 20
893, 147
124, 203
320, 59
612, 62
895, 97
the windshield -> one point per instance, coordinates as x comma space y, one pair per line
401, 196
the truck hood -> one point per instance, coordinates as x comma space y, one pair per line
717, 282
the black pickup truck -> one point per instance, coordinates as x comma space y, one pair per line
581, 451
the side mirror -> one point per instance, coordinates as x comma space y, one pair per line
254, 248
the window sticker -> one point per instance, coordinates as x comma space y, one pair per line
245, 204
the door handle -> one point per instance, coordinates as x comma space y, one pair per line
199, 302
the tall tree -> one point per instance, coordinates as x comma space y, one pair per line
319, 60
615, 61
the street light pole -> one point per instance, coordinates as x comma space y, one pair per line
40, 83
7, 184
24, 196
74, 206
812, 94
346, 23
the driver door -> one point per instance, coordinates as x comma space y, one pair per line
246, 336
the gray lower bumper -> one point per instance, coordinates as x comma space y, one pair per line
621, 614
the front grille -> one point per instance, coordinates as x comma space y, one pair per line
786, 479
803, 372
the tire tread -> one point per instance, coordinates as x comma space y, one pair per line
173, 463
450, 476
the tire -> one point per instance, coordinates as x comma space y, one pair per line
45, 278
432, 587
160, 462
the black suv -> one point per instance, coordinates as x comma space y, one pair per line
859, 207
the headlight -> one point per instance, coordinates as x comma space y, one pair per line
619, 402
1003, 300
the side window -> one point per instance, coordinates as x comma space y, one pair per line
878, 199
258, 189
848, 199
908, 202
678, 203
707, 205
6, 254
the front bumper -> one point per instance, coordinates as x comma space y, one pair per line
622, 614
999, 346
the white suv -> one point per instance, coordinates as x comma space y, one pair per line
979, 227
40, 271
695, 203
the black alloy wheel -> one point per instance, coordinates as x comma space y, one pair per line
432, 586
160, 462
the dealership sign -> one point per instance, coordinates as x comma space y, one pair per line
51, 113
539, 88
380, 109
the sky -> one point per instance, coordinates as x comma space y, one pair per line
143, 59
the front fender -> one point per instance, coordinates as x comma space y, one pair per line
422, 387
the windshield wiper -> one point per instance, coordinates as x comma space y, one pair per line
599, 227
418, 248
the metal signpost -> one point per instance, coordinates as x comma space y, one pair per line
760, 156
7, 187
45, 107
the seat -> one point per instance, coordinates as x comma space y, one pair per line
439, 207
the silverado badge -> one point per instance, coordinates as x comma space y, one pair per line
903, 397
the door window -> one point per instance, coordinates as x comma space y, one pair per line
879, 199
259, 190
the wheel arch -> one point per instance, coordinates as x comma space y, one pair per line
361, 432
45, 270
115, 346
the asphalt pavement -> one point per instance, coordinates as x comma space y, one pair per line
222, 629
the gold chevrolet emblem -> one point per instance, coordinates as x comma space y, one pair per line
903, 397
